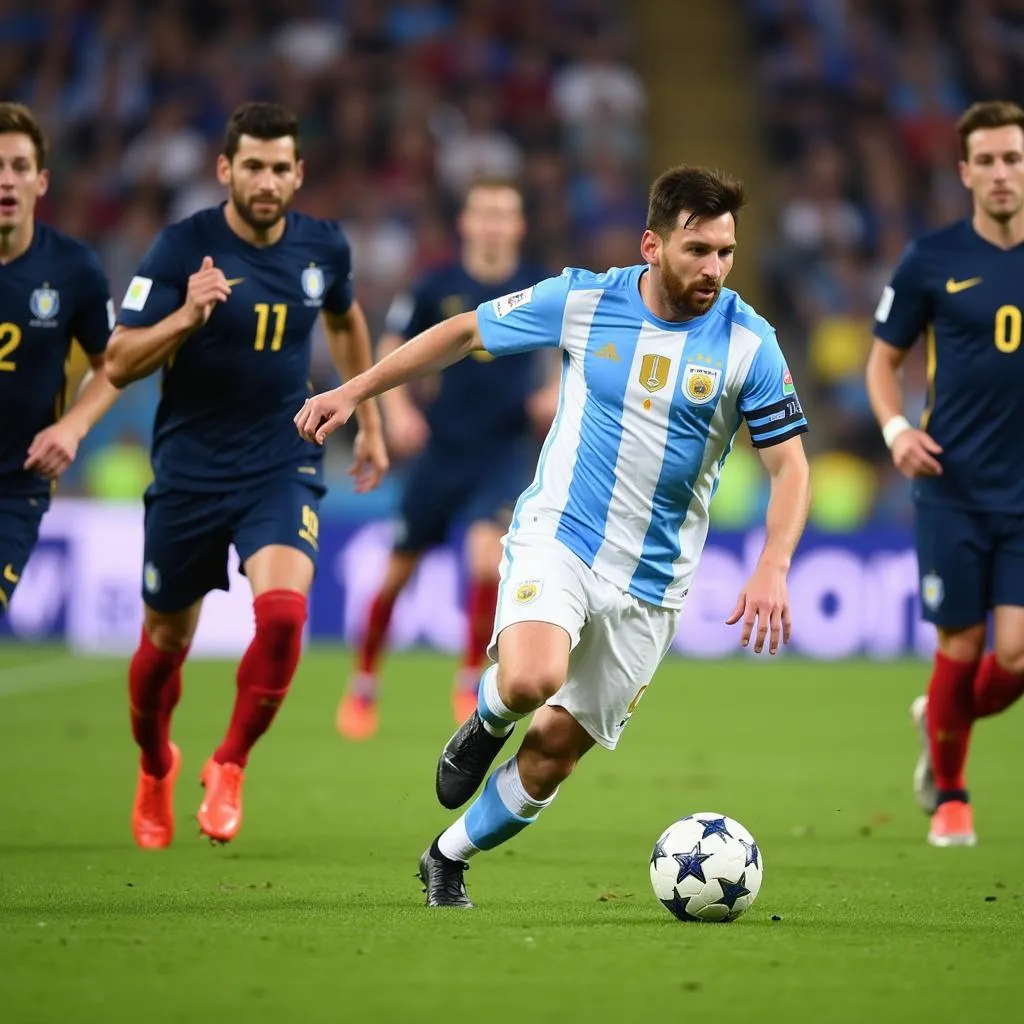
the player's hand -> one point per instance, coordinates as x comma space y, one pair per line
206, 287
52, 450
321, 415
407, 431
371, 460
914, 453
764, 600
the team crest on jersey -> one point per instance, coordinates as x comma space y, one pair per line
45, 303
452, 305
932, 590
654, 371
527, 591
701, 383
151, 578
313, 284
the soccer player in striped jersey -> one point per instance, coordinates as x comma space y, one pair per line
661, 364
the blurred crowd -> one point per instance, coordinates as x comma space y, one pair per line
858, 102
400, 104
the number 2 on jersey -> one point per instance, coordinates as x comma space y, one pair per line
263, 311
10, 339
1008, 328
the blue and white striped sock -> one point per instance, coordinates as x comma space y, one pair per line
503, 809
497, 718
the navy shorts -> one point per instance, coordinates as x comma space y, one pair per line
968, 563
188, 535
19, 529
441, 491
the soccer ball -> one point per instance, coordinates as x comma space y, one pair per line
706, 867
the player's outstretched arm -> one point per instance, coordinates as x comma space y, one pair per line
405, 426
913, 451
429, 352
135, 352
765, 598
348, 339
54, 449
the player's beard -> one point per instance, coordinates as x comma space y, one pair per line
1004, 214
680, 297
258, 222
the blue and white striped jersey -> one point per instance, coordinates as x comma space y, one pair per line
646, 416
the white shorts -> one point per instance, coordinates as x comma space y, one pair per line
616, 640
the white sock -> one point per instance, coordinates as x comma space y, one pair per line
497, 718
454, 843
513, 793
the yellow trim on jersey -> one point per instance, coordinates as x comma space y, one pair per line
930, 367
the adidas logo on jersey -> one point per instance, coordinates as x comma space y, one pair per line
608, 352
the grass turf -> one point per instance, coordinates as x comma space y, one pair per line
313, 913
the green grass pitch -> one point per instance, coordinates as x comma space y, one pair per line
313, 913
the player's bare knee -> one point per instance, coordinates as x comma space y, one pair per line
529, 684
1010, 655
963, 644
168, 636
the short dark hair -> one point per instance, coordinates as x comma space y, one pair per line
485, 184
987, 114
698, 190
260, 121
17, 119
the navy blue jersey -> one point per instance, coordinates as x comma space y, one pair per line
231, 390
964, 295
54, 292
482, 400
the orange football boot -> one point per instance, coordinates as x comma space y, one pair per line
357, 713
153, 810
952, 825
220, 813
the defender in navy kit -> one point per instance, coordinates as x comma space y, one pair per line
224, 305
960, 288
473, 443
52, 292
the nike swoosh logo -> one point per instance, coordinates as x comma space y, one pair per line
234, 280
961, 286
10, 575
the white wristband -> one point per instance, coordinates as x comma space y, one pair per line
896, 426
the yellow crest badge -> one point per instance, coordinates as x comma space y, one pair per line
527, 591
932, 590
654, 372
701, 383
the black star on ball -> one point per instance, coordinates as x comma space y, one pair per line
678, 907
715, 827
690, 864
732, 891
753, 854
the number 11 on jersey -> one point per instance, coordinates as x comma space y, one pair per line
263, 311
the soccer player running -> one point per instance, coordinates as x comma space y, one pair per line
660, 363
474, 442
961, 287
224, 303
52, 291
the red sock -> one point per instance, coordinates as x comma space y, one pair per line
265, 672
995, 689
950, 714
376, 633
480, 605
154, 686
